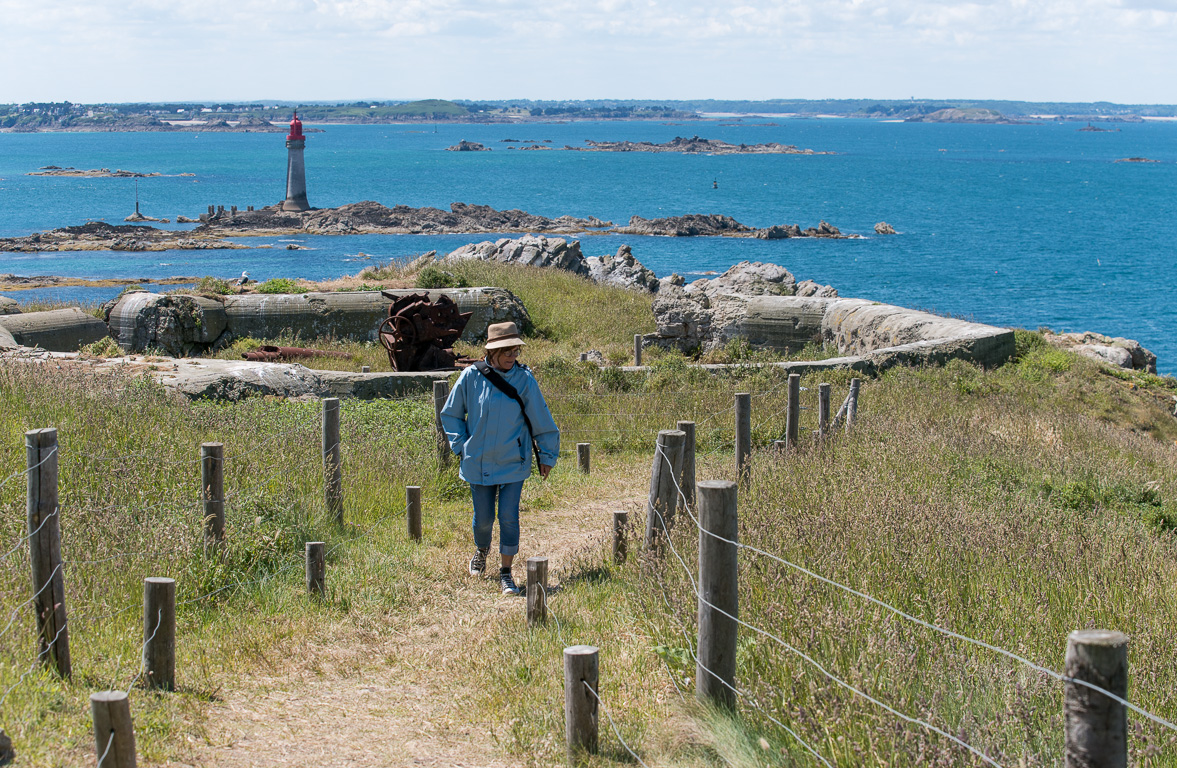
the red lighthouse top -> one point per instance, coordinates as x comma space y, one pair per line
295, 128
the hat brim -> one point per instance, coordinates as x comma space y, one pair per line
506, 341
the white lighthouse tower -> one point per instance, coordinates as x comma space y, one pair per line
296, 175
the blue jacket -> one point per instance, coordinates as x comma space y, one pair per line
485, 427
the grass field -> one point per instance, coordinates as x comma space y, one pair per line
1011, 505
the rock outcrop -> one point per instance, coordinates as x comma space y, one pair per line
883, 228
691, 225
100, 236
467, 146
1118, 351
528, 251
9, 306
695, 145
622, 269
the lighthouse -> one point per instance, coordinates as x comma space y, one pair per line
296, 175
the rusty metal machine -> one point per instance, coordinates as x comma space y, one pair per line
419, 334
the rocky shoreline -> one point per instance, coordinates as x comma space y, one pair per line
679, 144
369, 217
95, 173
100, 236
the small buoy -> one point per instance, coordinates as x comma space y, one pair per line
715, 184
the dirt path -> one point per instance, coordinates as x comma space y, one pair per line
388, 695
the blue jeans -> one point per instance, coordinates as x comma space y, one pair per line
484, 515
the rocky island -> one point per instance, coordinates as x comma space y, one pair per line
691, 146
94, 173
967, 115
369, 217
100, 236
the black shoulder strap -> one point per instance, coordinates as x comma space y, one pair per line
505, 387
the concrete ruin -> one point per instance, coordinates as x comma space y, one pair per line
57, 330
873, 336
183, 325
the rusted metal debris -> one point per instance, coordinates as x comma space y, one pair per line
268, 354
419, 334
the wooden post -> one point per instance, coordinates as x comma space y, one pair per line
580, 706
44, 527
664, 499
1096, 726
159, 633
743, 435
114, 735
441, 393
365, 369
413, 505
852, 404
823, 409
637, 349
584, 357
333, 459
715, 670
780, 446
687, 481
316, 555
537, 590
212, 491
793, 416
620, 536
582, 457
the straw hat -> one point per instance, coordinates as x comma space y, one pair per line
500, 335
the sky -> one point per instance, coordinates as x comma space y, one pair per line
1123, 51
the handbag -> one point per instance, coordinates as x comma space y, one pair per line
505, 387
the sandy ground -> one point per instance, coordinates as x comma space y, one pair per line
389, 696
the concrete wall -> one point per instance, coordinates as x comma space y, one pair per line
58, 330
184, 325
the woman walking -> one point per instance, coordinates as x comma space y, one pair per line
493, 418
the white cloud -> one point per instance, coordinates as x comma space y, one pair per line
566, 48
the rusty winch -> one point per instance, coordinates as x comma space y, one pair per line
419, 334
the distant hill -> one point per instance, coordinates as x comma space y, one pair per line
969, 115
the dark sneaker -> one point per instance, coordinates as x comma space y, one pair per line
478, 562
508, 584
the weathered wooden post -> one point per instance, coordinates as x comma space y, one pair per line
582, 457
333, 458
687, 480
793, 414
580, 700
365, 369
413, 510
212, 491
44, 527
114, 734
620, 536
316, 555
743, 435
823, 409
663, 499
715, 670
780, 446
852, 404
159, 633
441, 393
1096, 725
637, 349
537, 590
584, 357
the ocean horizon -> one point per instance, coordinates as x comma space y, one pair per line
1015, 225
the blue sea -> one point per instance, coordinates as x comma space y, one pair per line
1020, 225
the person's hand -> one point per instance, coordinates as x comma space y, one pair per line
544, 470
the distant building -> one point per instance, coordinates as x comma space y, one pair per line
296, 176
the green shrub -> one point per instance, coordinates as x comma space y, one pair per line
214, 285
279, 285
433, 277
1026, 342
104, 347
